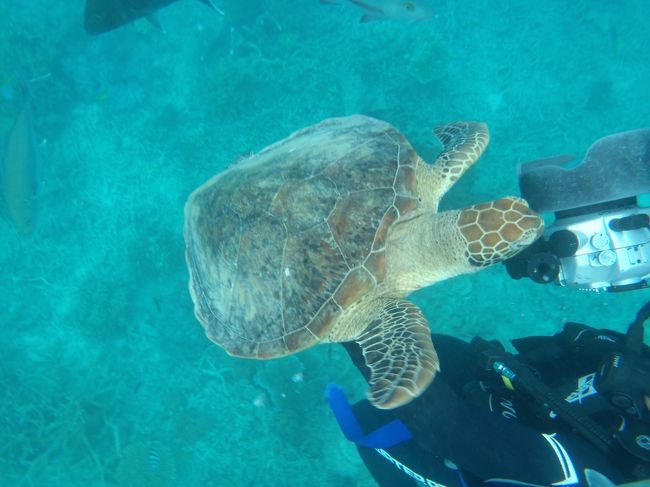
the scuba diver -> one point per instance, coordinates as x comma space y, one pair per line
567, 409
563, 410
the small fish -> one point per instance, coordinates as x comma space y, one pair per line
153, 459
404, 10
261, 400
20, 171
105, 15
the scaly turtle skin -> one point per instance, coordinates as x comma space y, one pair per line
321, 236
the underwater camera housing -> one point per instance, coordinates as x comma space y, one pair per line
600, 239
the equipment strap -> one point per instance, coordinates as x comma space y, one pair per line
386, 436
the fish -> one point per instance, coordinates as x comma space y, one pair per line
105, 15
596, 479
20, 171
153, 458
404, 10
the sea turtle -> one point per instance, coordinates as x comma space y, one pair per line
321, 236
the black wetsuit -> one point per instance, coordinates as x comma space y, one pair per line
469, 429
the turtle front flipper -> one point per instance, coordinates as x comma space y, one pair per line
398, 351
462, 145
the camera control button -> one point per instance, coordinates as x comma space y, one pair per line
564, 243
600, 241
607, 257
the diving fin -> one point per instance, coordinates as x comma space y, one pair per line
597, 479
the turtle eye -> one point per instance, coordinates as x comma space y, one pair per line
409, 6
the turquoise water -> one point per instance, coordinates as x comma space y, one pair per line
106, 378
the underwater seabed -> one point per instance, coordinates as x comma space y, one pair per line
106, 378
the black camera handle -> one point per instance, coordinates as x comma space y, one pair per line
496, 359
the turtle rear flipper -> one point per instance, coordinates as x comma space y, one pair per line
398, 351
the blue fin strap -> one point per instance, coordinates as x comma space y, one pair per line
386, 436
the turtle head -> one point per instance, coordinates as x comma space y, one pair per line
497, 230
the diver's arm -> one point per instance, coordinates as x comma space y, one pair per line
484, 443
